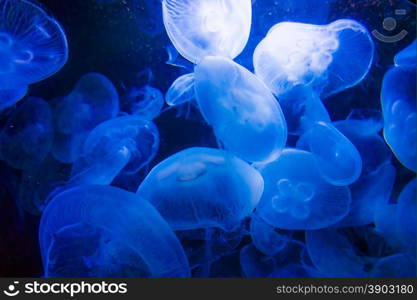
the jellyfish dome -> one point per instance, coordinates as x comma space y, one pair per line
244, 114
201, 188
145, 102
93, 101
200, 28
337, 159
398, 97
27, 136
330, 57
103, 231
33, 45
124, 144
296, 197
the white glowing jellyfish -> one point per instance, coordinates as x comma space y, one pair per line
199, 28
329, 57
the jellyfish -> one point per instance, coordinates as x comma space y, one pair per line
255, 264
407, 57
350, 252
181, 91
296, 197
124, 144
200, 28
398, 97
27, 136
266, 238
337, 159
93, 101
33, 47
366, 122
203, 187
302, 108
145, 102
244, 114
329, 58
103, 231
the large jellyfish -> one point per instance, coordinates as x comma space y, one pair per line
27, 136
124, 144
145, 102
33, 46
199, 28
296, 196
337, 159
398, 98
330, 58
93, 101
203, 187
244, 114
102, 231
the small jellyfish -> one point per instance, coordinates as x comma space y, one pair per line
366, 122
407, 57
103, 231
33, 47
181, 90
398, 97
302, 108
93, 101
266, 238
27, 137
145, 102
255, 264
337, 159
200, 28
124, 144
201, 188
296, 197
330, 58
244, 114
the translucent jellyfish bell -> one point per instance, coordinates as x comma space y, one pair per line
244, 114
124, 144
199, 28
201, 188
337, 159
33, 45
296, 197
398, 97
145, 102
28, 135
93, 101
330, 57
103, 231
